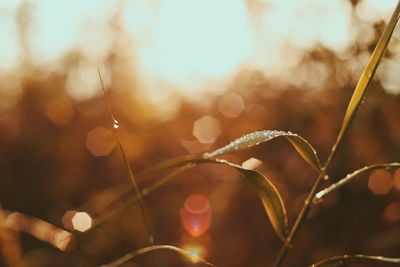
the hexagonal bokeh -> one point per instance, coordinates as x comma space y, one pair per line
231, 105
81, 221
206, 129
380, 182
100, 141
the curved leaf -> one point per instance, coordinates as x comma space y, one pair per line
366, 76
130, 256
327, 191
269, 195
346, 259
299, 143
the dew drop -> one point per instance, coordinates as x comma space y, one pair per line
116, 124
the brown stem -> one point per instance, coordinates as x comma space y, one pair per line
300, 219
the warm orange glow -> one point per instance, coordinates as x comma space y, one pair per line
190, 45
196, 251
380, 182
206, 129
252, 163
59, 238
397, 178
392, 212
81, 221
194, 146
196, 215
60, 111
231, 105
100, 141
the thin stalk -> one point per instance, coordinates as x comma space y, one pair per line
321, 195
305, 209
299, 220
354, 104
143, 193
126, 163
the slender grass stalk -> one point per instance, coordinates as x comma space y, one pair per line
354, 104
299, 220
321, 195
132, 255
127, 166
348, 259
144, 192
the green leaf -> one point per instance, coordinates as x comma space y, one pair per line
327, 191
346, 259
368, 74
299, 143
192, 257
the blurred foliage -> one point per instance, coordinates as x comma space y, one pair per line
58, 154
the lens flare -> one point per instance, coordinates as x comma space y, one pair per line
196, 252
196, 215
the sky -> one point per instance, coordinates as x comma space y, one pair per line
192, 46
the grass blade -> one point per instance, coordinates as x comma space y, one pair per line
269, 195
321, 195
169, 164
346, 259
132, 255
270, 198
126, 162
301, 145
365, 79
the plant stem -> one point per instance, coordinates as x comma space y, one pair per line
299, 220
352, 108
308, 202
128, 168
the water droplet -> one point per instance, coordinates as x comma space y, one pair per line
116, 124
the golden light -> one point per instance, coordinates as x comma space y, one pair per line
252, 164
194, 146
60, 111
196, 215
206, 129
196, 252
100, 141
189, 46
231, 105
83, 81
380, 182
390, 80
81, 221
42, 230
183, 42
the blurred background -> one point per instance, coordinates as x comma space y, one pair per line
185, 77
